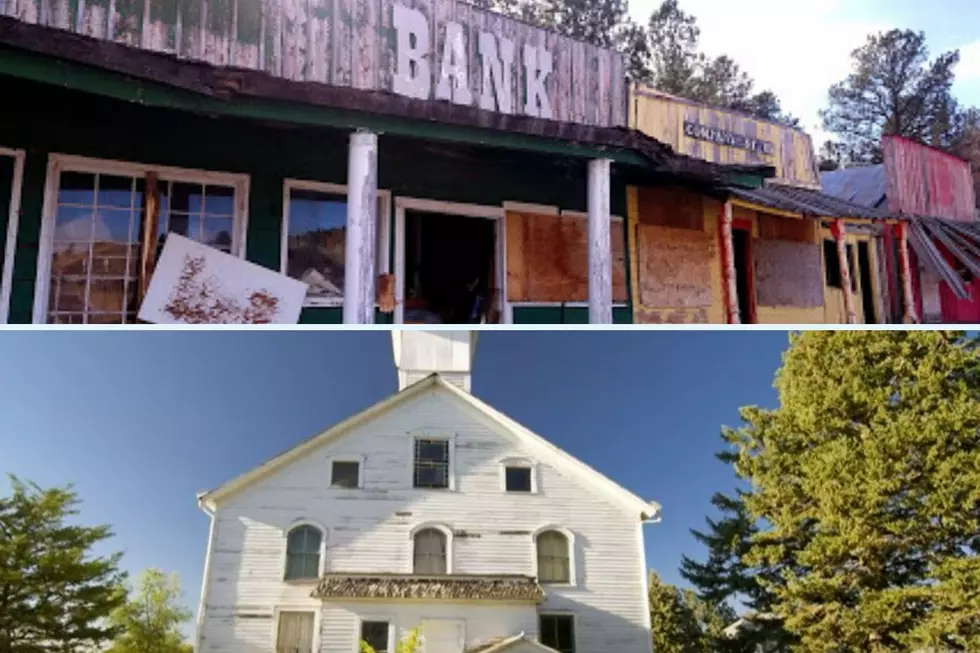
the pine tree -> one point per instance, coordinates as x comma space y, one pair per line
866, 482
150, 621
55, 595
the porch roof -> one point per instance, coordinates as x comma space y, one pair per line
806, 202
445, 587
960, 239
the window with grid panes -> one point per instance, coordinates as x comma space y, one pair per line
431, 463
553, 558
557, 631
303, 553
295, 632
98, 227
430, 552
375, 633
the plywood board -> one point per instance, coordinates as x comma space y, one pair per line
670, 207
674, 267
788, 273
196, 284
794, 229
547, 258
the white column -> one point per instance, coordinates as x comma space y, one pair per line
600, 250
362, 218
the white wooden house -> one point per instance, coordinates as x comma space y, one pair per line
428, 510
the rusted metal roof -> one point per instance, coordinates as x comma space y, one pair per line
923, 180
864, 185
444, 587
961, 240
806, 202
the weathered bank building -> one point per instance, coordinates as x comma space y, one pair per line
782, 252
411, 160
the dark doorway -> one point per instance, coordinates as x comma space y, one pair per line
741, 240
867, 287
449, 269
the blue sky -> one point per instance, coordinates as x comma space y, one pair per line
799, 48
140, 422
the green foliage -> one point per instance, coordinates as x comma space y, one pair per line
683, 623
151, 618
55, 595
894, 89
410, 643
866, 488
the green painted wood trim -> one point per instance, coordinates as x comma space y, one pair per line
28, 238
40, 68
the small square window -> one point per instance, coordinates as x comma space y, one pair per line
375, 635
345, 473
518, 479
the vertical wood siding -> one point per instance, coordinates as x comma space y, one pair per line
368, 531
340, 42
927, 182
663, 117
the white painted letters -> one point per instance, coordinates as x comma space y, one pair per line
537, 67
496, 73
454, 83
412, 75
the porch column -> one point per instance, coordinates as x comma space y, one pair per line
729, 286
838, 229
600, 250
362, 220
905, 268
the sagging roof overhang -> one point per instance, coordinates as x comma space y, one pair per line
805, 202
446, 587
54, 56
960, 239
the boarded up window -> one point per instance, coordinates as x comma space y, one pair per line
553, 558
295, 634
787, 273
548, 258
442, 636
430, 552
674, 267
670, 207
796, 230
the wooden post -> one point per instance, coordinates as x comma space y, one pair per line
905, 266
600, 251
362, 218
149, 240
729, 287
839, 231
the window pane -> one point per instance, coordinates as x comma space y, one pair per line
375, 633
553, 558
315, 246
558, 632
344, 474
518, 479
432, 451
115, 191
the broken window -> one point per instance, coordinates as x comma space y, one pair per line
376, 635
315, 225
557, 631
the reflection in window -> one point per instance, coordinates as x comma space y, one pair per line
315, 242
201, 212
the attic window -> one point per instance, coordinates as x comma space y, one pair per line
431, 463
517, 479
345, 473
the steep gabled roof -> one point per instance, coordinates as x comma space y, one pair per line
541, 448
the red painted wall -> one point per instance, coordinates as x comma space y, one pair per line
925, 181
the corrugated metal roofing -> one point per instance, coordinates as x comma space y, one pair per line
864, 185
962, 240
805, 202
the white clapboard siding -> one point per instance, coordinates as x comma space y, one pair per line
368, 530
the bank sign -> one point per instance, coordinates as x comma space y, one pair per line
429, 50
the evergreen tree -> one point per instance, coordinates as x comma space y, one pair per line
866, 490
55, 595
150, 620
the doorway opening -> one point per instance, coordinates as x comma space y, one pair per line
741, 241
867, 287
450, 269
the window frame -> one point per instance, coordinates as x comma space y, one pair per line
570, 540
383, 240
447, 533
376, 617
321, 563
347, 459
559, 613
450, 439
525, 463
304, 608
59, 163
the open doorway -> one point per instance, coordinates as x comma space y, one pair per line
867, 287
450, 269
741, 242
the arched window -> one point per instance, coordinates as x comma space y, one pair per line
554, 565
303, 552
430, 552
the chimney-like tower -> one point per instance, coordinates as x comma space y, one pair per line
421, 353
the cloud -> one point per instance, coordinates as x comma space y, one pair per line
798, 50
968, 69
